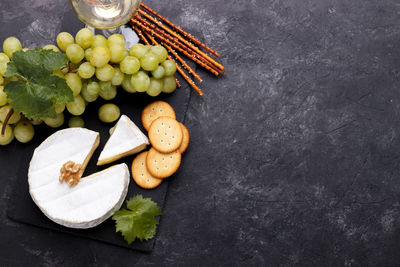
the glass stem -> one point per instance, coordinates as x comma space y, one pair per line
107, 33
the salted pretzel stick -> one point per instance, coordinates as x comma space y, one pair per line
163, 33
143, 38
179, 29
184, 64
179, 69
176, 47
180, 38
177, 42
222, 72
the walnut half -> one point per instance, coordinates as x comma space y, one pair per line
71, 173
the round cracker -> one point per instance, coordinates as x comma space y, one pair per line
155, 110
165, 134
162, 165
141, 175
185, 140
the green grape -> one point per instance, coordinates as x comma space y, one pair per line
86, 70
15, 117
75, 66
36, 122
3, 68
149, 62
158, 73
3, 96
56, 122
155, 88
127, 84
117, 53
88, 53
100, 56
24, 131
59, 107
10, 45
74, 82
169, 84
4, 58
116, 39
93, 88
169, 67
138, 51
160, 51
130, 65
75, 53
99, 40
76, 107
64, 69
64, 39
118, 77
140, 81
84, 38
109, 113
59, 73
51, 47
105, 73
8, 135
76, 122
107, 90
1, 80
87, 96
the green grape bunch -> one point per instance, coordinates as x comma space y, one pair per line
94, 67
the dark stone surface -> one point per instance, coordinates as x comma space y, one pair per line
294, 154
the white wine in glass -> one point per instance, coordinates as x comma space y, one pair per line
107, 15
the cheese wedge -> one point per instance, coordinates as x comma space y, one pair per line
126, 139
94, 199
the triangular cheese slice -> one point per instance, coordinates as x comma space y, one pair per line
94, 199
126, 139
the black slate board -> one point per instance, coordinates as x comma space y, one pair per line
21, 208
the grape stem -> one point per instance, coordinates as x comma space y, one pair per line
3, 128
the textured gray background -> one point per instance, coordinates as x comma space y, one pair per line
294, 157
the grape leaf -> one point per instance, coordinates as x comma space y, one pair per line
139, 221
36, 90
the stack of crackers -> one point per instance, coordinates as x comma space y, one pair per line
169, 139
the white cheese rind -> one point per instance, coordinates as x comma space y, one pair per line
126, 139
94, 199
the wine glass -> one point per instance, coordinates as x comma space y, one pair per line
110, 16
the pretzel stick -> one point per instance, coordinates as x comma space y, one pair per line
177, 42
165, 40
212, 66
179, 29
172, 39
179, 69
180, 38
166, 35
184, 64
143, 38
